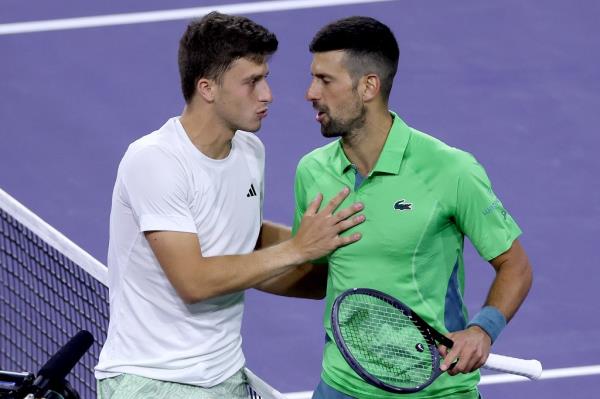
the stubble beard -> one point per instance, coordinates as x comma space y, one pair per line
344, 127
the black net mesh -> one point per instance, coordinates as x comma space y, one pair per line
45, 300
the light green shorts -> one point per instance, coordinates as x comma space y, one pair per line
129, 386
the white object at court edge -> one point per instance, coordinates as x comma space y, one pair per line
531, 369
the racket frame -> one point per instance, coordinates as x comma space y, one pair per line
431, 336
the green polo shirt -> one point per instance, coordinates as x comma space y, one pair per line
421, 199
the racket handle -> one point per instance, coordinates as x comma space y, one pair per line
531, 369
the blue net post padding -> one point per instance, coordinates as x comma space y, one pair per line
45, 300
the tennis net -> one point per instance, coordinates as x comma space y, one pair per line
50, 289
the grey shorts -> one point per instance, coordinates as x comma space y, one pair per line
129, 386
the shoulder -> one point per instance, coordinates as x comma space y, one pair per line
250, 143
154, 151
426, 152
148, 151
319, 157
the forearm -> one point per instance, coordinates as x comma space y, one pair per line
226, 274
305, 281
507, 292
221, 275
272, 233
513, 280
199, 278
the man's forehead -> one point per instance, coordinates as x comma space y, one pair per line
328, 61
248, 66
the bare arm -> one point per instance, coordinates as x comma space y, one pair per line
513, 280
272, 234
196, 277
305, 281
509, 289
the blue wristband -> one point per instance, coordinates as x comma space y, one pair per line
491, 320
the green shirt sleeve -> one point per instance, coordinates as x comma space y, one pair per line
480, 214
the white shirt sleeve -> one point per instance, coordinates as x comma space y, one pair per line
156, 188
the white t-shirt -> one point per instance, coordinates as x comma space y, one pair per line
165, 183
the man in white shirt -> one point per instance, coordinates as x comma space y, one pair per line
186, 217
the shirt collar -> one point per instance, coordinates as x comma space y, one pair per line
391, 155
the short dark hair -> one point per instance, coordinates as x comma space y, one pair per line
211, 44
370, 45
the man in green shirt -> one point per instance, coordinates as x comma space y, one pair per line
420, 196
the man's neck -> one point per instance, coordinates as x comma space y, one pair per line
206, 132
363, 147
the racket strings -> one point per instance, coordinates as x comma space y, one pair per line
385, 341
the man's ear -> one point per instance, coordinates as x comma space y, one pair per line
206, 89
371, 87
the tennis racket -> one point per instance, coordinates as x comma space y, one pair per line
391, 347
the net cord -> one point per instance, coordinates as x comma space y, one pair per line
261, 387
53, 237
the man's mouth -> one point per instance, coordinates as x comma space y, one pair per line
320, 115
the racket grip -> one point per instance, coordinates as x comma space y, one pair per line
531, 369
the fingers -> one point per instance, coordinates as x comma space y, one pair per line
449, 358
464, 364
319, 231
349, 211
336, 201
343, 215
314, 205
350, 222
333, 204
443, 350
469, 352
349, 239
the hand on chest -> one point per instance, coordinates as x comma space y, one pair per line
399, 217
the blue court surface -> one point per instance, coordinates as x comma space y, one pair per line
516, 83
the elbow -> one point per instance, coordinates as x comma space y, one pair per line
192, 288
190, 298
190, 294
528, 276
524, 271
522, 276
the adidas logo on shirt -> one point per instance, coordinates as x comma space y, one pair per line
251, 192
